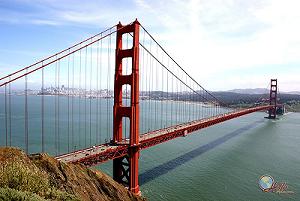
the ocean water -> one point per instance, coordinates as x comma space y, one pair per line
225, 161
222, 162
87, 122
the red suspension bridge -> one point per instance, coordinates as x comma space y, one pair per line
107, 98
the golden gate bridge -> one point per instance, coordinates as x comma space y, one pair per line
107, 98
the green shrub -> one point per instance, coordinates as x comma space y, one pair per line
16, 175
8, 194
17, 180
55, 194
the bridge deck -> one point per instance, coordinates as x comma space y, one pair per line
102, 153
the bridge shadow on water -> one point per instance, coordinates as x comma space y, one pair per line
164, 168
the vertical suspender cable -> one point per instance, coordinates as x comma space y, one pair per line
85, 96
180, 103
79, 101
147, 89
43, 107
69, 103
162, 95
145, 74
183, 102
55, 111
191, 105
167, 95
58, 108
91, 77
100, 118
72, 103
109, 75
189, 102
204, 109
9, 110
151, 125
26, 114
177, 102
157, 89
6, 115
194, 104
199, 106
142, 109
107, 100
186, 100
172, 97
97, 95
151, 85
149, 93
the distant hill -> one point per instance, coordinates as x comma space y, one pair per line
258, 91
250, 91
292, 92
226, 97
234, 98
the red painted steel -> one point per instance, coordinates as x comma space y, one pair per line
52, 56
52, 61
132, 112
187, 128
273, 99
110, 154
125, 152
159, 136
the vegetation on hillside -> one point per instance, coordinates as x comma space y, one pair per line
40, 177
292, 106
7, 194
228, 99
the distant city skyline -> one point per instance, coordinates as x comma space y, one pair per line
224, 44
109, 92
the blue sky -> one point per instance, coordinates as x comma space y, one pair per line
224, 44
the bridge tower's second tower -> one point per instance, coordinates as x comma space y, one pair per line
273, 99
125, 169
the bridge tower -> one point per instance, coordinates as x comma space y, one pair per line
125, 169
273, 99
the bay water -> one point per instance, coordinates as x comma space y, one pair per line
222, 162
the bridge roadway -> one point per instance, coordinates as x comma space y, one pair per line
108, 151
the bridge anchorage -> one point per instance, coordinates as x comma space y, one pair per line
165, 102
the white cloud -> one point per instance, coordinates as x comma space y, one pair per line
207, 37
45, 22
222, 36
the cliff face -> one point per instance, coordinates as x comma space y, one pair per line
55, 180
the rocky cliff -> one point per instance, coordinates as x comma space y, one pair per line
41, 177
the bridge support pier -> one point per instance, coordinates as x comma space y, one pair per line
125, 170
273, 99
